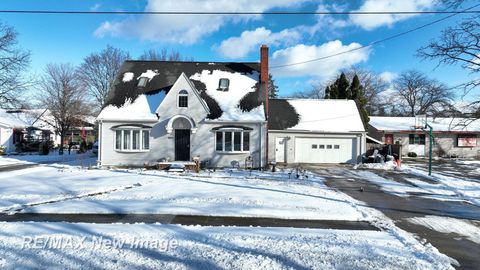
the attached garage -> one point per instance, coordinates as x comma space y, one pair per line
315, 131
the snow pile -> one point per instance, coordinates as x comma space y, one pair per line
157, 246
388, 165
138, 110
240, 85
449, 225
148, 74
327, 115
468, 161
127, 76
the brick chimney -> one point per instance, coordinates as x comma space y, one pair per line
264, 84
264, 74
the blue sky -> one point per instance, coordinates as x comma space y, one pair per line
69, 38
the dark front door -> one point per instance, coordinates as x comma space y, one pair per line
182, 144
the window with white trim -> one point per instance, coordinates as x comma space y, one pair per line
183, 99
132, 140
232, 141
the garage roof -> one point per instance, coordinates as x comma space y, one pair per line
318, 115
439, 124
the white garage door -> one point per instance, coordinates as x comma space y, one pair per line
325, 150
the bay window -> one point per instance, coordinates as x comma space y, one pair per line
232, 141
132, 140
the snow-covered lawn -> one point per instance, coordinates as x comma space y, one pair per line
83, 159
464, 188
222, 193
43, 184
449, 225
156, 246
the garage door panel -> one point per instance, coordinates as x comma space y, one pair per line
325, 150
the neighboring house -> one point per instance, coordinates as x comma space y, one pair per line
83, 130
315, 131
18, 125
175, 111
453, 136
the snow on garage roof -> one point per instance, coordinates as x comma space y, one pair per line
386, 123
321, 115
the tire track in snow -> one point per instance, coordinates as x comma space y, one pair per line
18, 208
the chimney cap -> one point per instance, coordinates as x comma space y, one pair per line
264, 46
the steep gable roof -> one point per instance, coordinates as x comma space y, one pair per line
321, 115
161, 75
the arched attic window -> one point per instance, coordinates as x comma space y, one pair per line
183, 99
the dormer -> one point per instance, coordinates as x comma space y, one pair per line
142, 81
223, 84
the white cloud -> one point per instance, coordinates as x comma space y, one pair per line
370, 22
95, 7
388, 76
186, 29
322, 69
248, 41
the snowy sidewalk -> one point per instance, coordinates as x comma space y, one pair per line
156, 246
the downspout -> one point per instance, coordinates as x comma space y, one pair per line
100, 139
260, 144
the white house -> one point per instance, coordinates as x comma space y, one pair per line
315, 131
175, 111
15, 125
452, 136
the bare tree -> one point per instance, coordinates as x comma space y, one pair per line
316, 91
98, 71
62, 94
163, 55
13, 61
419, 94
459, 44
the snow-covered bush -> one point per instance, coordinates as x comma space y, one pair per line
412, 154
3, 150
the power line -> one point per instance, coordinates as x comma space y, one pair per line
378, 41
83, 12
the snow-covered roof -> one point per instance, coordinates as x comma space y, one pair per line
330, 115
240, 85
242, 101
385, 123
138, 110
12, 120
